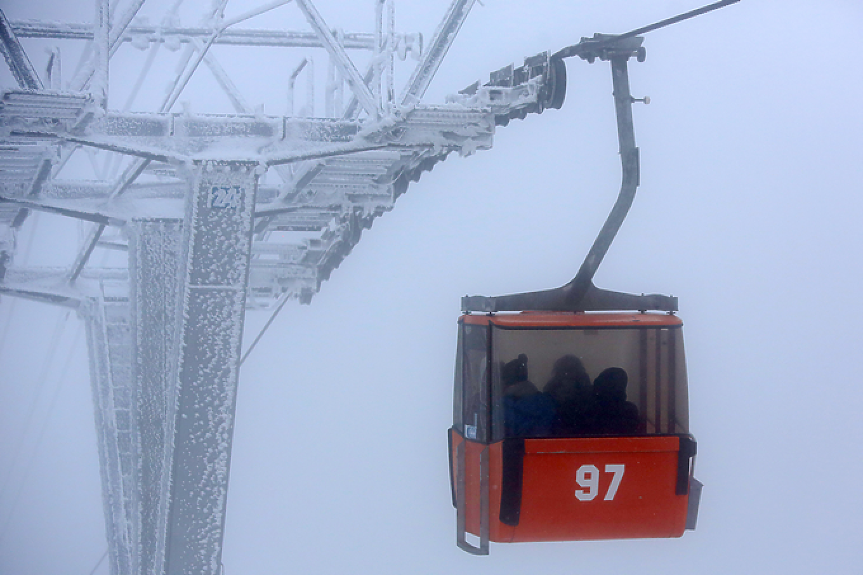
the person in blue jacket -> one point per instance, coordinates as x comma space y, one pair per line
527, 412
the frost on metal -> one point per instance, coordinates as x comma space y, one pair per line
209, 333
213, 214
110, 346
154, 258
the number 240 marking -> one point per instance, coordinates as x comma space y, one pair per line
224, 197
587, 477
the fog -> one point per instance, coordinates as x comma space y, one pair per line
748, 211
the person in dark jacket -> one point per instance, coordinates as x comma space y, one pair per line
573, 395
527, 412
614, 415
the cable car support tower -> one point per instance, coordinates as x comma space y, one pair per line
189, 200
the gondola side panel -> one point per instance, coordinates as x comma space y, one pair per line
601, 488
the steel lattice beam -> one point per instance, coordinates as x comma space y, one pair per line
209, 335
204, 241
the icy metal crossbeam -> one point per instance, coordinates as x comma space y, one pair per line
161, 34
17, 59
341, 59
440, 44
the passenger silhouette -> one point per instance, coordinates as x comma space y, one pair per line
613, 413
571, 391
527, 412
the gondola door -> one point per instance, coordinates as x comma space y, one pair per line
468, 439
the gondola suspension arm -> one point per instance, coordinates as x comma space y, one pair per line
580, 294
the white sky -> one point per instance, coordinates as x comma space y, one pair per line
749, 211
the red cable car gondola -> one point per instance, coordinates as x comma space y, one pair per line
577, 458
602, 450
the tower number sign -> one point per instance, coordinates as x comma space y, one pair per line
224, 197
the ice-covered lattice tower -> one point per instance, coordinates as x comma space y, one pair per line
217, 212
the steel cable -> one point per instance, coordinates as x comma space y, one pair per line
25, 256
105, 554
59, 328
33, 452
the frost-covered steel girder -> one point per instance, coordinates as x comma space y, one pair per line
141, 34
109, 339
154, 263
192, 133
26, 163
106, 39
16, 57
25, 166
198, 260
312, 219
87, 210
340, 183
22, 162
8, 235
341, 59
34, 110
365, 183
440, 44
51, 285
212, 287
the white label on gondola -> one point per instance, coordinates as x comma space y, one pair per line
587, 478
225, 197
617, 470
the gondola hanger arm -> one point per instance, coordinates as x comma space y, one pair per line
580, 294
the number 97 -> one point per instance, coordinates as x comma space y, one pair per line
587, 477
